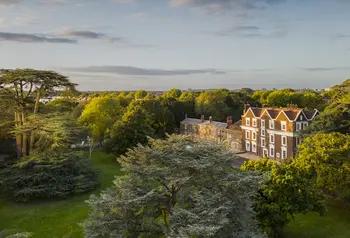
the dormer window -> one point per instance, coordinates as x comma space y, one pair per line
263, 123
247, 121
283, 125
254, 122
301, 117
272, 124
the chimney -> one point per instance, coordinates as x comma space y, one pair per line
210, 119
185, 115
202, 118
229, 121
245, 108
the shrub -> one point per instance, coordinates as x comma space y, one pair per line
47, 176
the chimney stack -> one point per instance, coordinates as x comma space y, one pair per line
210, 119
202, 118
245, 108
229, 121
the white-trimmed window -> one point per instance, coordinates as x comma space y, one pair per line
277, 155
297, 140
272, 138
306, 124
253, 147
253, 135
262, 123
247, 134
185, 126
284, 153
263, 143
254, 122
272, 151
247, 146
298, 126
247, 121
301, 117
262, 132
272, 124
229, 136
283, 125
284, 140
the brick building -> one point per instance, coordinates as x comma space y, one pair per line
273, 132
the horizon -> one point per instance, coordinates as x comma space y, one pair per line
118, 45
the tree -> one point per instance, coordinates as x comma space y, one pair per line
140, 94
176, 188
326, 158
130, 131
20, 85
60, 105
173, 93
99, 116
285, 192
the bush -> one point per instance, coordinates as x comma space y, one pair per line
47, 176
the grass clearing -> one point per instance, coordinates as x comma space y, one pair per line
57, 218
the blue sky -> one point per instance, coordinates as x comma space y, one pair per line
162, 44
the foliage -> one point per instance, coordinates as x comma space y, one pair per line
60, 105
100, 114
286, 192
172, 93
14, 234
157, 116
327, 158
127, 133
176, 188
42, 176
140, 94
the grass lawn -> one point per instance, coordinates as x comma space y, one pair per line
59, 218
335, 224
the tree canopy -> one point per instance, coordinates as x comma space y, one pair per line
176, 188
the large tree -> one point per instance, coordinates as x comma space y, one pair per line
176, 188
23, 88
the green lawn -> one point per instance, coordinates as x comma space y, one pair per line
60, 218
335, 224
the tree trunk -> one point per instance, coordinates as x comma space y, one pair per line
18, 135
24, 137
32, 134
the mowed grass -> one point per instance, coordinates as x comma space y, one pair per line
336, 224
57, 218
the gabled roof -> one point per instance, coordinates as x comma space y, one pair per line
192, 121
310, 114
255, 110
292, 114
273, 112
215, 124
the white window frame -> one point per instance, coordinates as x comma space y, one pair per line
284, 124
278, 155
272, 124
262, 132
284, 149
301, 117
273, 139
247, 146
254, 135
306, 124
247, 121
185, 126
298, 126
255, 122
263, 142
229, 136
254, 148
284, 137
273, 151
247, 134
262, 123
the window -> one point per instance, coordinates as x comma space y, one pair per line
298, 126
301, 117
272, 138
284, 140
254, 135
263, 123
263, 132
247, 134
266, 153
263, 142
305, 124
283, 125
297, 141
185, 126
277, 155
254, 122
247, 121
247, 146
272, 152
229, 136
284, 153
253, 147
272, 124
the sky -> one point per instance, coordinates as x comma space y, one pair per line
163, 44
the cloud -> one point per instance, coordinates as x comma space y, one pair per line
135, 71
342, 36
9, 2
317, 69
33, 38
24, 21
2, 22
87, 34
13, 2
253, 32
124, 1
225, 5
